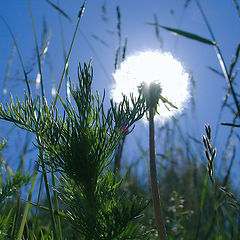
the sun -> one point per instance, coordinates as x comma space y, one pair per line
153, 67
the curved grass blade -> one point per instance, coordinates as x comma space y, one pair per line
220, 57
230, 124
186, 34
59, 10
216, 71
237, 7
19, 55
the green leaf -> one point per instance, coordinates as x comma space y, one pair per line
231, 124
186, 34
59, 10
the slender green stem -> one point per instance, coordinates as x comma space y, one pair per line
37, 207
216, 203
58, 220
16, 218
63, 47
24, 218
37, 50
55, 234
68, 56
153, 172
220, 58
20, 57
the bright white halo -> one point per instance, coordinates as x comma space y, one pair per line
153, 66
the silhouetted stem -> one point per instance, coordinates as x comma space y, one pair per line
118, 157
155, 194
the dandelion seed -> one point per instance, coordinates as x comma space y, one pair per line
154, 67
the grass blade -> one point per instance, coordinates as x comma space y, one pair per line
59, 10
69, 53
25, 214
230, 124
220, 58
216, 71
55, 199
37, 51
19, 55
186, 34
237, 7
234, 61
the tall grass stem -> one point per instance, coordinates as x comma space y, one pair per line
25, 214
37, 51
68, 56
220, 58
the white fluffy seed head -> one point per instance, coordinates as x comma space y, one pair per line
158, 67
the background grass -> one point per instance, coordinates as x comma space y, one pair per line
199, 193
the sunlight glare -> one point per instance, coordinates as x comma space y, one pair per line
153, 66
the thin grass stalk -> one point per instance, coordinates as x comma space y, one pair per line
37, 206
64, 50
9, 64
55, 199
68, 56
51, 209
220, 58
202, 201
20, 57
154, 186
37, 51
62, 32
9, 170
237, 7
25, 214
216, 202
16, 218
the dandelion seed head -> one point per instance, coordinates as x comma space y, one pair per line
153, 67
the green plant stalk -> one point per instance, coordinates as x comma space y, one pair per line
24, 218
220, 58
68, 56
216, 202
9, 170
63, 48
55, 199
51, 209
37, 50
202, 200
154, 186
20, 58
37, 207
16, 218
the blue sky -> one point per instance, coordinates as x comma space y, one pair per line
195, 56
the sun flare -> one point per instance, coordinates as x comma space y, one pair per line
158, 67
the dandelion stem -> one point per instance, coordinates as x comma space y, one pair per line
155, 194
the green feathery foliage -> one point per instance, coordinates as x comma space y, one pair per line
80, 145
